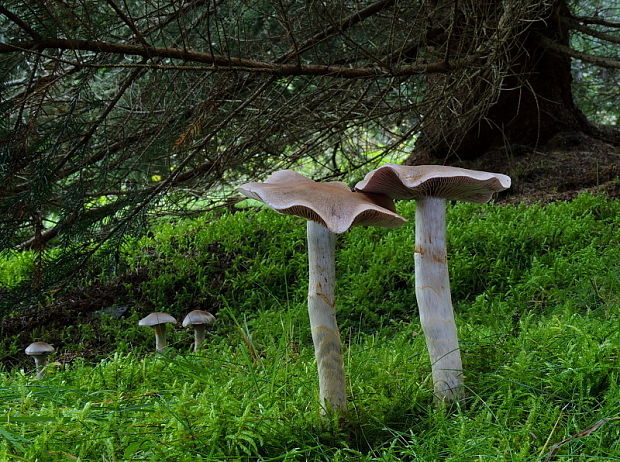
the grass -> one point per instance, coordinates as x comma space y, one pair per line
537, 296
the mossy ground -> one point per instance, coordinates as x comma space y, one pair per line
537, 295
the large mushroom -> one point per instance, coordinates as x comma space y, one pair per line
158, 322
431, 186
39, 352
330, 208
198, 320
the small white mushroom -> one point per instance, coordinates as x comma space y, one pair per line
198, 320
39, 351
158, 322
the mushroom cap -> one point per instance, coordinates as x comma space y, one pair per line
39, 349
331, 204
415, 182
198, 317
155, 319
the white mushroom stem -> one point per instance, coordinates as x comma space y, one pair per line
321, 309
432, 288
199, 335
160, 337
40, 362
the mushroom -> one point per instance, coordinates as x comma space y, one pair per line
330, 208
430, 186
199, 320
39, 351
158, 322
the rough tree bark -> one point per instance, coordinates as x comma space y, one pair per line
534, 104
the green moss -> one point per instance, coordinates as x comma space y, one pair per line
537, 297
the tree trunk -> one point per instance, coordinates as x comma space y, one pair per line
534, 104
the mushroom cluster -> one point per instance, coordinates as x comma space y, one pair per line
197, 319
331, 208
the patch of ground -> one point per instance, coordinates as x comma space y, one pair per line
570, 163
81, 305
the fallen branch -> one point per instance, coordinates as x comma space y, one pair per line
551, 455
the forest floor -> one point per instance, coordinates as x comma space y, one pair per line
569, 164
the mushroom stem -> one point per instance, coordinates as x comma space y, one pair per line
160, 337
322, 313
432, 290
199, 335
40, 363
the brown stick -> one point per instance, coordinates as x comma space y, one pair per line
551, 455
227, 63
589, 31
596, 60
19, 22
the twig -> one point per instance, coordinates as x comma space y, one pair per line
597, 21
555, 425
223, 63
587, 432
602, 61
589, 31
20, 23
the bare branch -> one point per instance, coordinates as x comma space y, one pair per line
225, 63
129, 23
345, 24
601, 61
130, 79
597, 21
41, 239
20, 23
589, 31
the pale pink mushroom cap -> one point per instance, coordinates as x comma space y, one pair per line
155, 319
198, 317
332, 204
415, 182
39, 349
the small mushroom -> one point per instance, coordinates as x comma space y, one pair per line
39, 351
330, 208
198, 320
158, 322
431, 186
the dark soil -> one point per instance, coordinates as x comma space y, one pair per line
569, 164
82, 305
